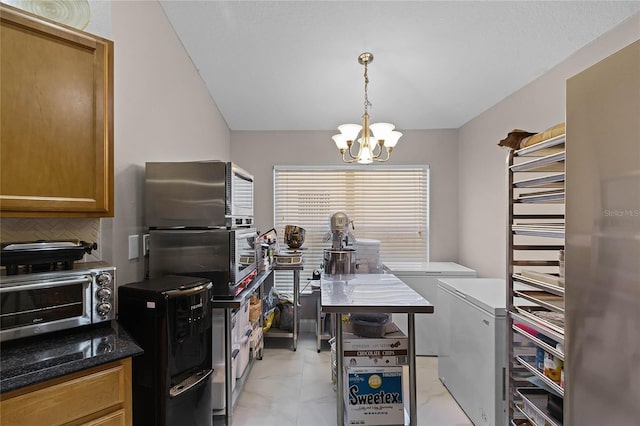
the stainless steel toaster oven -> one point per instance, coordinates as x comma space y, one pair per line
42, 302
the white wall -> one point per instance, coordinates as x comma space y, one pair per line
468, 190
163, 112
537, 106
258, 152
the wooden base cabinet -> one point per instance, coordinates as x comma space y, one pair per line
56, 138
97, 396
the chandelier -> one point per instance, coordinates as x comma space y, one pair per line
376, 140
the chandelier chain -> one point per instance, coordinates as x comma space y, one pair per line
367, 104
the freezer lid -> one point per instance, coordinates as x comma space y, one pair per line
488, 294
427, 269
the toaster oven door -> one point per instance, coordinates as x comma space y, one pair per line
34, 307
244, 253
225, 256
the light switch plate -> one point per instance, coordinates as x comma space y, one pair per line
134, 243
145, 244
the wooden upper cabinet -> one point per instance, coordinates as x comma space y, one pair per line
56, 119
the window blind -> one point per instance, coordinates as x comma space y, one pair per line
385, 203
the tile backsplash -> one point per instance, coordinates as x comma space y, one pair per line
28, 229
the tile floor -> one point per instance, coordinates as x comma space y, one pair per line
294, 388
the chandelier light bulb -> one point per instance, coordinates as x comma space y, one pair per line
366, 153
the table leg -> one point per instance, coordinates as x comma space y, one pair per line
339, 375
413, 412
296, 291
319, 325
227, 367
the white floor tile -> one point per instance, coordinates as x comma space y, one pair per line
294, 388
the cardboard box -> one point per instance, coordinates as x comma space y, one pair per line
373, 395
390, 350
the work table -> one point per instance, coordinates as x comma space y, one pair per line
374, 293
37, 359
383, 293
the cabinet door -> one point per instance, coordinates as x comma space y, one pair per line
101, 395
117, 418
56, 138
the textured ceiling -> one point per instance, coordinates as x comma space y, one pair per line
292, 65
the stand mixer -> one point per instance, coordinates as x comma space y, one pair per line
340, 259
340, 234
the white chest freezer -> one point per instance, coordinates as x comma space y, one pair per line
472, 346
423, 277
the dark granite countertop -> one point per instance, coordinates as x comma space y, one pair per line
36, 359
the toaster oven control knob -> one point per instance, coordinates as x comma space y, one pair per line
104, 293
103, 309
104, 279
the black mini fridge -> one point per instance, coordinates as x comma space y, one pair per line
170, 318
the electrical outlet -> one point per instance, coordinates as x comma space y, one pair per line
145, 244
134, 243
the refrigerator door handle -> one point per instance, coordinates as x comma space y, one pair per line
189, 383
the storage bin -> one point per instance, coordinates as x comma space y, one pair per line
368, 256
217, 338
369, 325
242, 321
218, 382
243, 356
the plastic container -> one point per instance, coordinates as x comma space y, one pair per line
369, 325
218, 381
217, 338
244, 351
368, 256
242, 322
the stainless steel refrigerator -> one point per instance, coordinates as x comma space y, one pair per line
602, 257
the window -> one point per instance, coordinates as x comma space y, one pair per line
385, 203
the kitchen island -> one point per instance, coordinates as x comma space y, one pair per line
372, 293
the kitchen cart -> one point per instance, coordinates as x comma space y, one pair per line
535, 246
296, 296
228, 306
373, 293
324, 324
